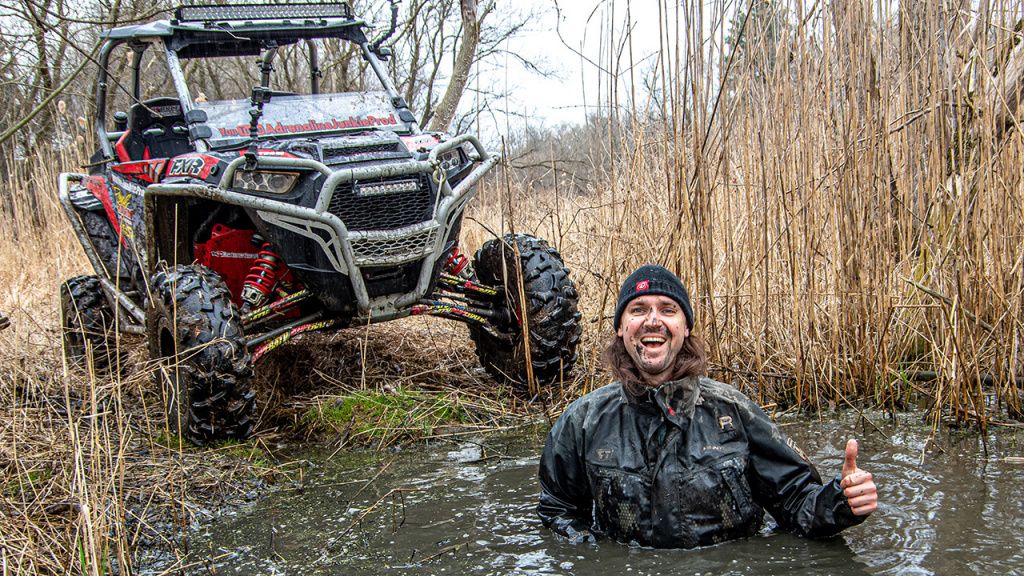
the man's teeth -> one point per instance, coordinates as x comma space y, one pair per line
652, 340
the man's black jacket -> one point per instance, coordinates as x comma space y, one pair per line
692, 463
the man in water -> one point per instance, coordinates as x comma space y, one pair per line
669, 458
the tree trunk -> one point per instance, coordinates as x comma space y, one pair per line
445, 111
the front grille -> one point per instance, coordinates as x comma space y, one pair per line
383, 211
371, 251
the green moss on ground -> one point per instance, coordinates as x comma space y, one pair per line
372, 416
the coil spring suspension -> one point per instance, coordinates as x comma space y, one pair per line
262, 277
458, 265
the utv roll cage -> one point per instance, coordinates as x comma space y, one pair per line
242, 30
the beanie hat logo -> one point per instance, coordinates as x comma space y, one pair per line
642, 285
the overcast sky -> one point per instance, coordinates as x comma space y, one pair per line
584, 36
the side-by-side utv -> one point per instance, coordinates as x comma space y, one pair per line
221, 228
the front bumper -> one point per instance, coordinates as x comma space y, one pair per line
349, 252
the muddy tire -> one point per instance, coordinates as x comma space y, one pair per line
550, 310
87, 326
204, 371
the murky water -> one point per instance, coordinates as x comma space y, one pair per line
947, 507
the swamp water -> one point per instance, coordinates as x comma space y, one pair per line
946, 507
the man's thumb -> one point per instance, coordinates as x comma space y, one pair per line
850, 464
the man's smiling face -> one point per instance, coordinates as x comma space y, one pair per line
653, 328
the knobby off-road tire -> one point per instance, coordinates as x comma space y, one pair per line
204, 373
550, 311
87, 325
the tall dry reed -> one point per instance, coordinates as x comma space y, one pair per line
838, 185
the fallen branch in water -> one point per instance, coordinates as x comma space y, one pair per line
372, 480
445, 550
374, 506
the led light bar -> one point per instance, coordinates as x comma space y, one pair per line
303, 11
382, 188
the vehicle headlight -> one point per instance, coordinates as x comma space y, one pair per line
267, 181
451, 162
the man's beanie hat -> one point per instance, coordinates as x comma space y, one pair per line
653, 279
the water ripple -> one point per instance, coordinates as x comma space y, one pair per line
945, 508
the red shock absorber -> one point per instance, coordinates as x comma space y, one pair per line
262, 277
458, 265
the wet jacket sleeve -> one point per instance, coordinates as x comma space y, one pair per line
788, 486
565, 499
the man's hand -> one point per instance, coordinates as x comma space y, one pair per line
857, 484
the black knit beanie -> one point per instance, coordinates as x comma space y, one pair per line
653, 279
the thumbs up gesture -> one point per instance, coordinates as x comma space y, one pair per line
858, 485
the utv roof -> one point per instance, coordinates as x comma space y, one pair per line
243, 29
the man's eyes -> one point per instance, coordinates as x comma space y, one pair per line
666, 311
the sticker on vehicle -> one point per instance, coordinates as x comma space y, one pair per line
145, 170
196, 166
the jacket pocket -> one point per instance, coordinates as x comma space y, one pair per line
621, 499
717, 500
745, 510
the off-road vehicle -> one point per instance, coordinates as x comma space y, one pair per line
221, 228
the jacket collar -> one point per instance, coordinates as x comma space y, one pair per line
679, 397
675, 398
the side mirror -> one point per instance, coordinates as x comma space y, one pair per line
375, 46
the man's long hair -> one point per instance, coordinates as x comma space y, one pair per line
692, 360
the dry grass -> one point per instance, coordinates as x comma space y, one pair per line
847, 234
